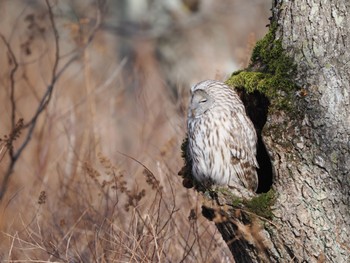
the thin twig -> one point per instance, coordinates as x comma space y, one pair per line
42, 104
70, 231
12, 60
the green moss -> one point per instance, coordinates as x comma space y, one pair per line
261, 204
271, 71
236, 202
225, 194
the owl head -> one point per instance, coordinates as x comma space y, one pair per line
201, 100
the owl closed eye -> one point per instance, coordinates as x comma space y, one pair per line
200, 103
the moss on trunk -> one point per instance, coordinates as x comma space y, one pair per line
271, 71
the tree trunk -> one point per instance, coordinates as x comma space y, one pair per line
310, 153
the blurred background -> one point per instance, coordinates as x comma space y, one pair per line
105, 152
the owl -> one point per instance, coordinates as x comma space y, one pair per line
221, 138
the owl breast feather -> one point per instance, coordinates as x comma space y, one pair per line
211, 155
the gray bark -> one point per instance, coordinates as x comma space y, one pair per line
310, 154
312, 173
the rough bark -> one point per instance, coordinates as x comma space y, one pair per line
309, 147
313, 177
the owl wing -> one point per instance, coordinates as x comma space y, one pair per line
242, 144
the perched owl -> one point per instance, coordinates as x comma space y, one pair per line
222, 139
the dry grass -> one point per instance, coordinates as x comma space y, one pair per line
98, 180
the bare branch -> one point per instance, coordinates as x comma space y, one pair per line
14, 155
55, 75
12, 60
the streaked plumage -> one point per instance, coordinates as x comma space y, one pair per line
222, 139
